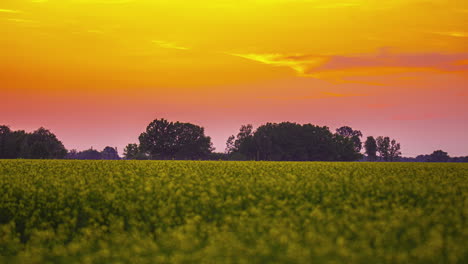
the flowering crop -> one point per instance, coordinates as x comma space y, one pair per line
232, 212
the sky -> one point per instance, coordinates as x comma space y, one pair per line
97, 72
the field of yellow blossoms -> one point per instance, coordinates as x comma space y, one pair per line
232, 212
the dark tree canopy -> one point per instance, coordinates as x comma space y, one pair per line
389, 150
108, 153
89, 154
133, 152
291, 141
354, 135
41, 144
9, 147
371, 148
169, 140
438, 156
230, 145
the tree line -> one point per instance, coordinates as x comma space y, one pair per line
108, 153
166, 140
43, 144
40, 144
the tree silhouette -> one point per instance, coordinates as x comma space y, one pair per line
5, 135
41, 144
354, 135
133, 152
291, 141
438, 156
169, 140
230, 145
389, 150
395, 152
109, 153
371, 148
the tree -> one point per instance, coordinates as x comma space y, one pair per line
5, 135
230, 145
241, 147
109, 153
133, 152
89, 154
42, 144
389, 150
394, 151
345, 149
12, 143
371, 148
72, 154
354, 135
169, 140
438, 156
291, 141
244, 143
383, 145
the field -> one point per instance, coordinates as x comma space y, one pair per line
232, 212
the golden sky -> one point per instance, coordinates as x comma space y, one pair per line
394, 68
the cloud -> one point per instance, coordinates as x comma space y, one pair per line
298, 62
168, 45
11, 11
355, 68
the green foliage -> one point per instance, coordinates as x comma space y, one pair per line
232, 212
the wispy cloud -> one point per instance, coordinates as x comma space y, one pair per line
168, 45
354, 68
11, 11
298, 62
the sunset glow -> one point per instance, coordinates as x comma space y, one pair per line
96, 72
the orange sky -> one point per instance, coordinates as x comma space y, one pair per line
96, 72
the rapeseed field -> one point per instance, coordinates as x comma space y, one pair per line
232, 212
